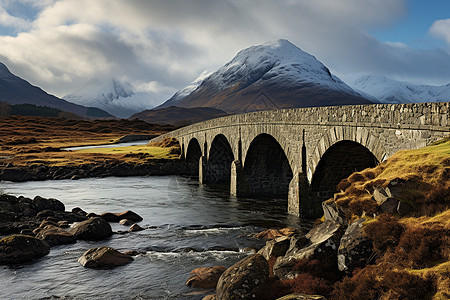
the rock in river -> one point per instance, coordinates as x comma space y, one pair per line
104, 258
205, 277
93, 229
116, 217
21, 248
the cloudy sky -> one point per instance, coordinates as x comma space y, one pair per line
163, 45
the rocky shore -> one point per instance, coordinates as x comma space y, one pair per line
37, 172
383, 236
32, 226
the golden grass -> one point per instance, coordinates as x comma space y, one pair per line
441, 275
32, 140
425, 173
155, 152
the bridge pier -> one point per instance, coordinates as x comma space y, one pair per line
237, 180
298, 196
202, 169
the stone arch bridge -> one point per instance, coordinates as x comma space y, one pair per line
302, 154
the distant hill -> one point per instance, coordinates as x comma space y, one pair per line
387, 90
178, 116
117, 97
15, 90
269, 76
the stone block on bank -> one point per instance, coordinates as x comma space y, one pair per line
244, 279
355, 248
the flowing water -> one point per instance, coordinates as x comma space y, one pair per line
187, 226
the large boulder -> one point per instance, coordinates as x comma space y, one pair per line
205, 277
104, 258
116, 217
333, 212
54, 235
393, 198
275, 247
39, 204
93, 229
244, 279
21, 248
272, 233
355, 248
324, 242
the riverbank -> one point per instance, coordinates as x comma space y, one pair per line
31, 149
385, 235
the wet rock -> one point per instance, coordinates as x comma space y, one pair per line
39, 204
92, 215
244, 279
274, 233
324, 242
104, 258
355, 248
93, 229
42, 215
276, 247
135, 227
79, 211
54, 235
116, 217
302, 297
133, 252
126, 222
21, 248
205, 277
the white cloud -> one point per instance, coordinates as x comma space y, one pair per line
8, 20
168, 43
441, 29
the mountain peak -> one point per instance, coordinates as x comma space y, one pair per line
276, 74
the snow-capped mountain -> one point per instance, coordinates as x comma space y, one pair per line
392, 91
119, 98
269, 76
178, 96
15, 90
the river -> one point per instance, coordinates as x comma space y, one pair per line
187, 226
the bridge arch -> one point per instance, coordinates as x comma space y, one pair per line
193, 154
338, 162
220, 157
267, 170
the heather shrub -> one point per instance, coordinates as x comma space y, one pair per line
309, 284
274, 289
420, 247
385, 233
383, 282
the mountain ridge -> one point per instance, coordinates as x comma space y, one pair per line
270, 76
388, 90
15, 90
